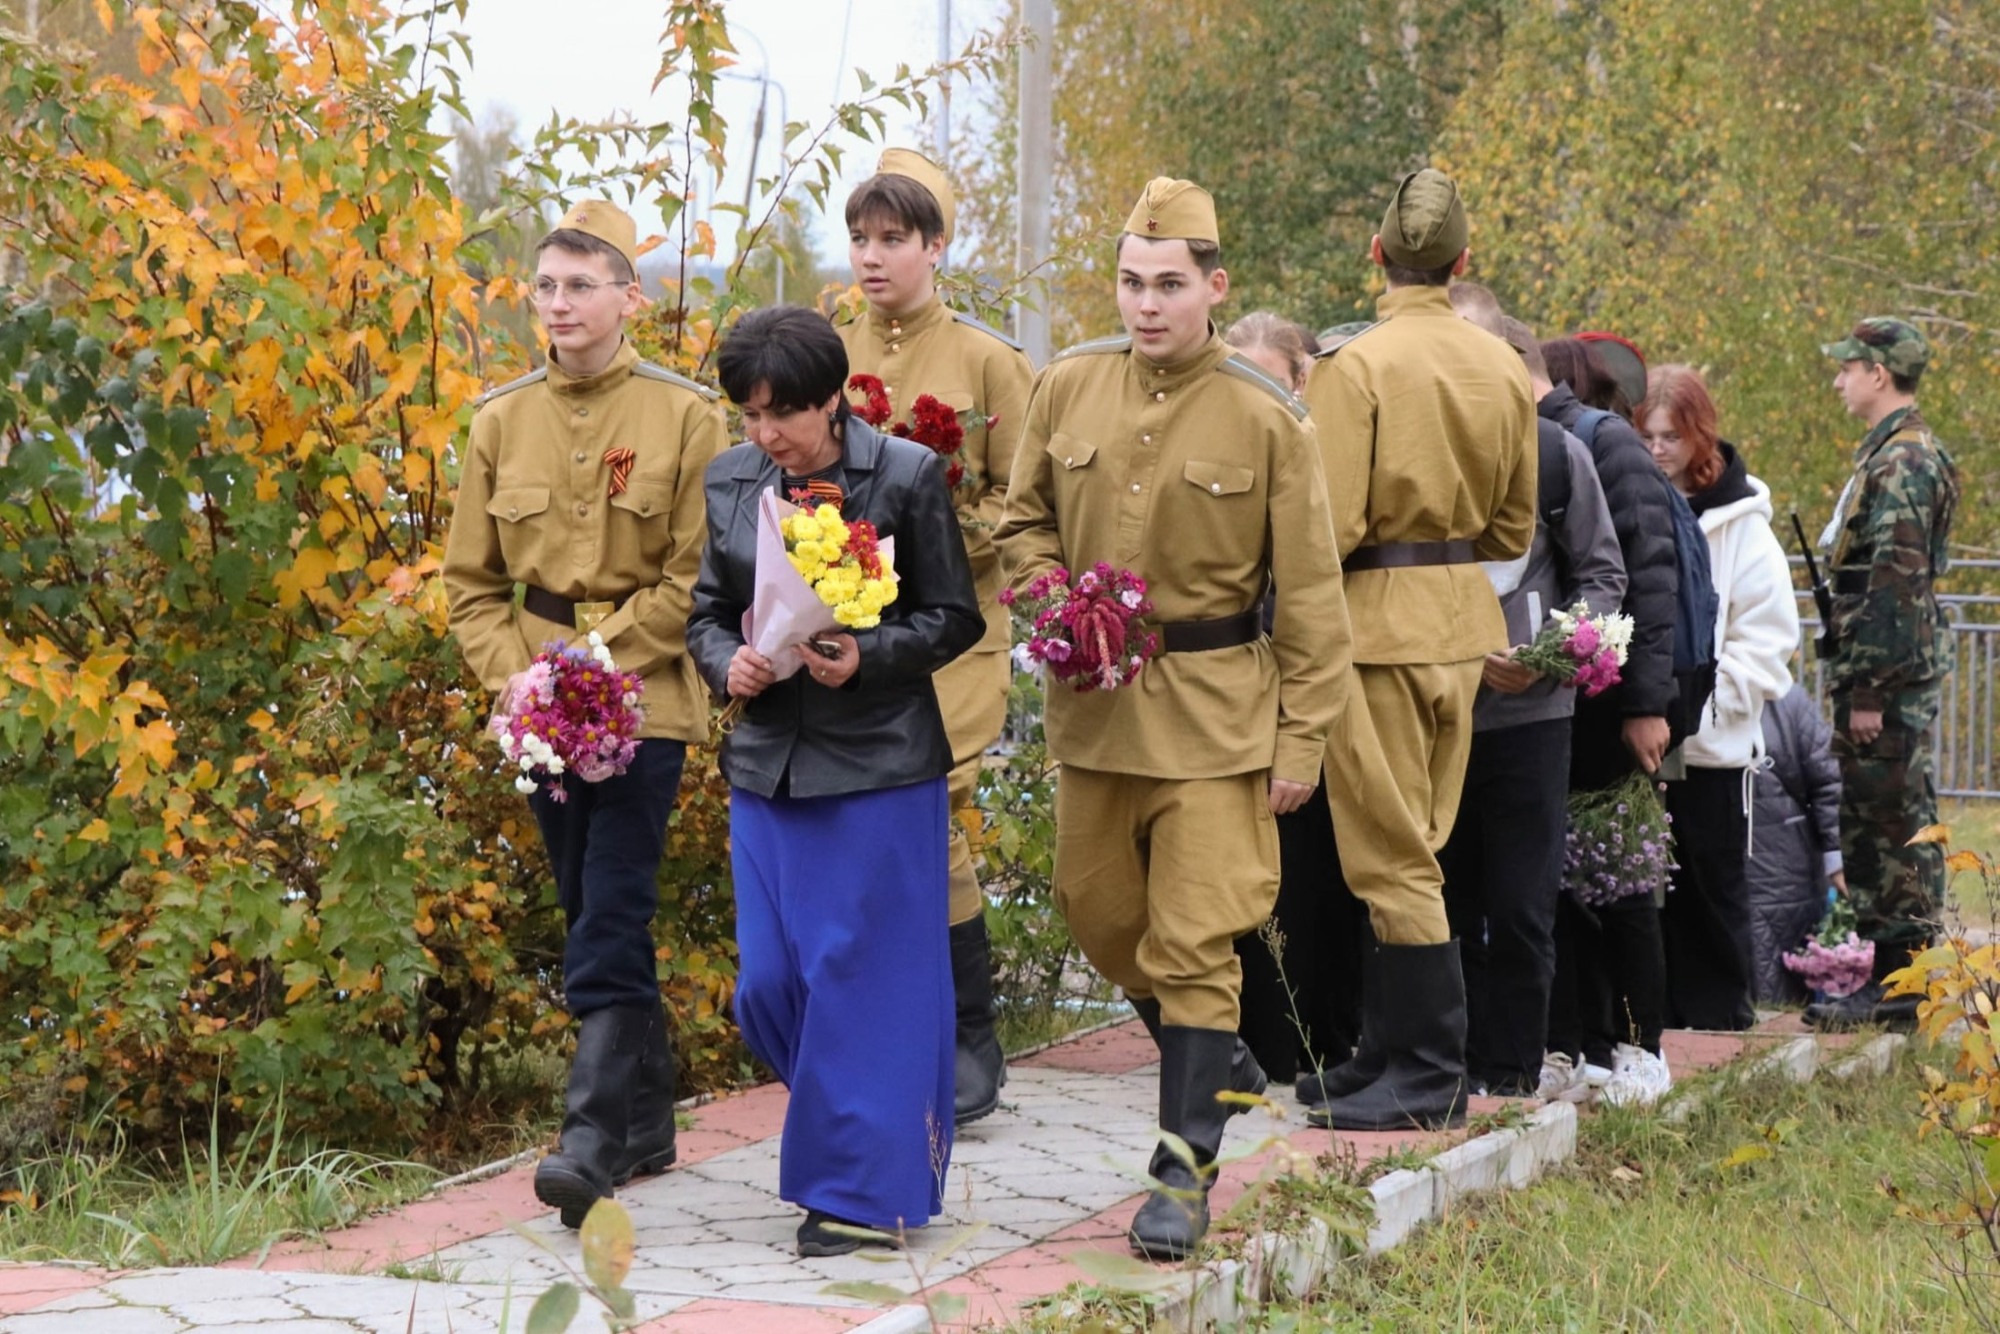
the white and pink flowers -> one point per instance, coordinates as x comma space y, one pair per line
1576, 648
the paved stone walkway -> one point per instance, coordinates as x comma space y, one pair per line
1058, 1169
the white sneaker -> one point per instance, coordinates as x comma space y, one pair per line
1559, 1075
1638, 1078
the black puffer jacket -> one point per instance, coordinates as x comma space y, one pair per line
1795, 823
1636, 492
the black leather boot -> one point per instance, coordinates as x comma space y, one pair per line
649, 1137
1148, 1011
1245, 1075
981, 1068
1196, 1064
1315, 1088
1421, 1037
1870, 1007
610, 1048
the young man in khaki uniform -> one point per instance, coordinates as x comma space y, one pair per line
583, 484
898, 223
1428, 428
1165, 453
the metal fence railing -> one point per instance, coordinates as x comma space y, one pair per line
1966, 737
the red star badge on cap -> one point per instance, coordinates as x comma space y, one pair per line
1152, 224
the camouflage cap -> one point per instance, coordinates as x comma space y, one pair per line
1174, 210
908, 162
1332, 337
608, 223
1425, 226
1886, 341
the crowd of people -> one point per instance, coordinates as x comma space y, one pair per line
1322, 835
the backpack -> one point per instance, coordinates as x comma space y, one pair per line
1695, 600
1552, 492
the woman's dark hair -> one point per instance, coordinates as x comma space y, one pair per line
791, 349
1572, 362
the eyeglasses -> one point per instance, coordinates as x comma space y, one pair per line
578, 290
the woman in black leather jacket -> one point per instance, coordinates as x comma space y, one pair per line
838, 806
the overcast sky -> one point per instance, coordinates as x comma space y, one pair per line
594, 58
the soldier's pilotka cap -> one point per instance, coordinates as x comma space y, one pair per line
1520, 335
608, 223
1886, 341
1172, 210
1425, 226
909, 163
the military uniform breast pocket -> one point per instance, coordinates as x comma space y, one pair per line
646, 508
520, 516
1070, 452
1219, 480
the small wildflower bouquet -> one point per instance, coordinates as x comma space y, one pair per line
1620, 843
931, 423
572, 711
1576, 648
1083, 632
816, 573
1836, 962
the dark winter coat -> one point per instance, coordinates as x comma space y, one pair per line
1794, 839
1636, 492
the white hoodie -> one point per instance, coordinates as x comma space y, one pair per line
1756, 630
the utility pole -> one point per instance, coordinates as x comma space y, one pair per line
941, 142
1032, 176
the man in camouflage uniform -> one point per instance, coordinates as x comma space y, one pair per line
1887, 654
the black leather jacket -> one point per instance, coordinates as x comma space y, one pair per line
883, 728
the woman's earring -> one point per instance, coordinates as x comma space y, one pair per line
833, 416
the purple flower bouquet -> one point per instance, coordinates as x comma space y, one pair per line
572, 711
1620, 843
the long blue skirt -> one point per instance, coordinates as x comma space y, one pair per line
844, 988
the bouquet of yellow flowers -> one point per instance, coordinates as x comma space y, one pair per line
842, 562
816, 573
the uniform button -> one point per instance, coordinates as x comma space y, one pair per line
514, 513
581, 456
583, 412
889, 389
1145, 439
1215, 487
1160, 397
1068, 461
895, 347
582, 509
1135, 488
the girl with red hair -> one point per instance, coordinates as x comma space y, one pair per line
1706, 921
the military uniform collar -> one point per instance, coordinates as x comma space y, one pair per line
1158, 376
1880, 434
921, 320
622, 362
1421, 300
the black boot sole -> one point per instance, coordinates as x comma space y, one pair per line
567, 1192
656, 1165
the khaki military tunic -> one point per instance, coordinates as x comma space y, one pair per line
985, 378
1204, 479
534, 507
1428, 428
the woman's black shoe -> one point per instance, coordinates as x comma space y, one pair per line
823, 1234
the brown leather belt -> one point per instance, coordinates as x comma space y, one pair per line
582, 616
1245, 627
1406, 555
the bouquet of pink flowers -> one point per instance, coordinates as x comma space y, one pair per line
572, 711
1579, 649
1084, 632
1836, 962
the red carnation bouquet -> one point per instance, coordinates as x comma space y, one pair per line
931, 423
1084, 633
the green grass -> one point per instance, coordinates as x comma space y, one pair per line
1765, 1212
